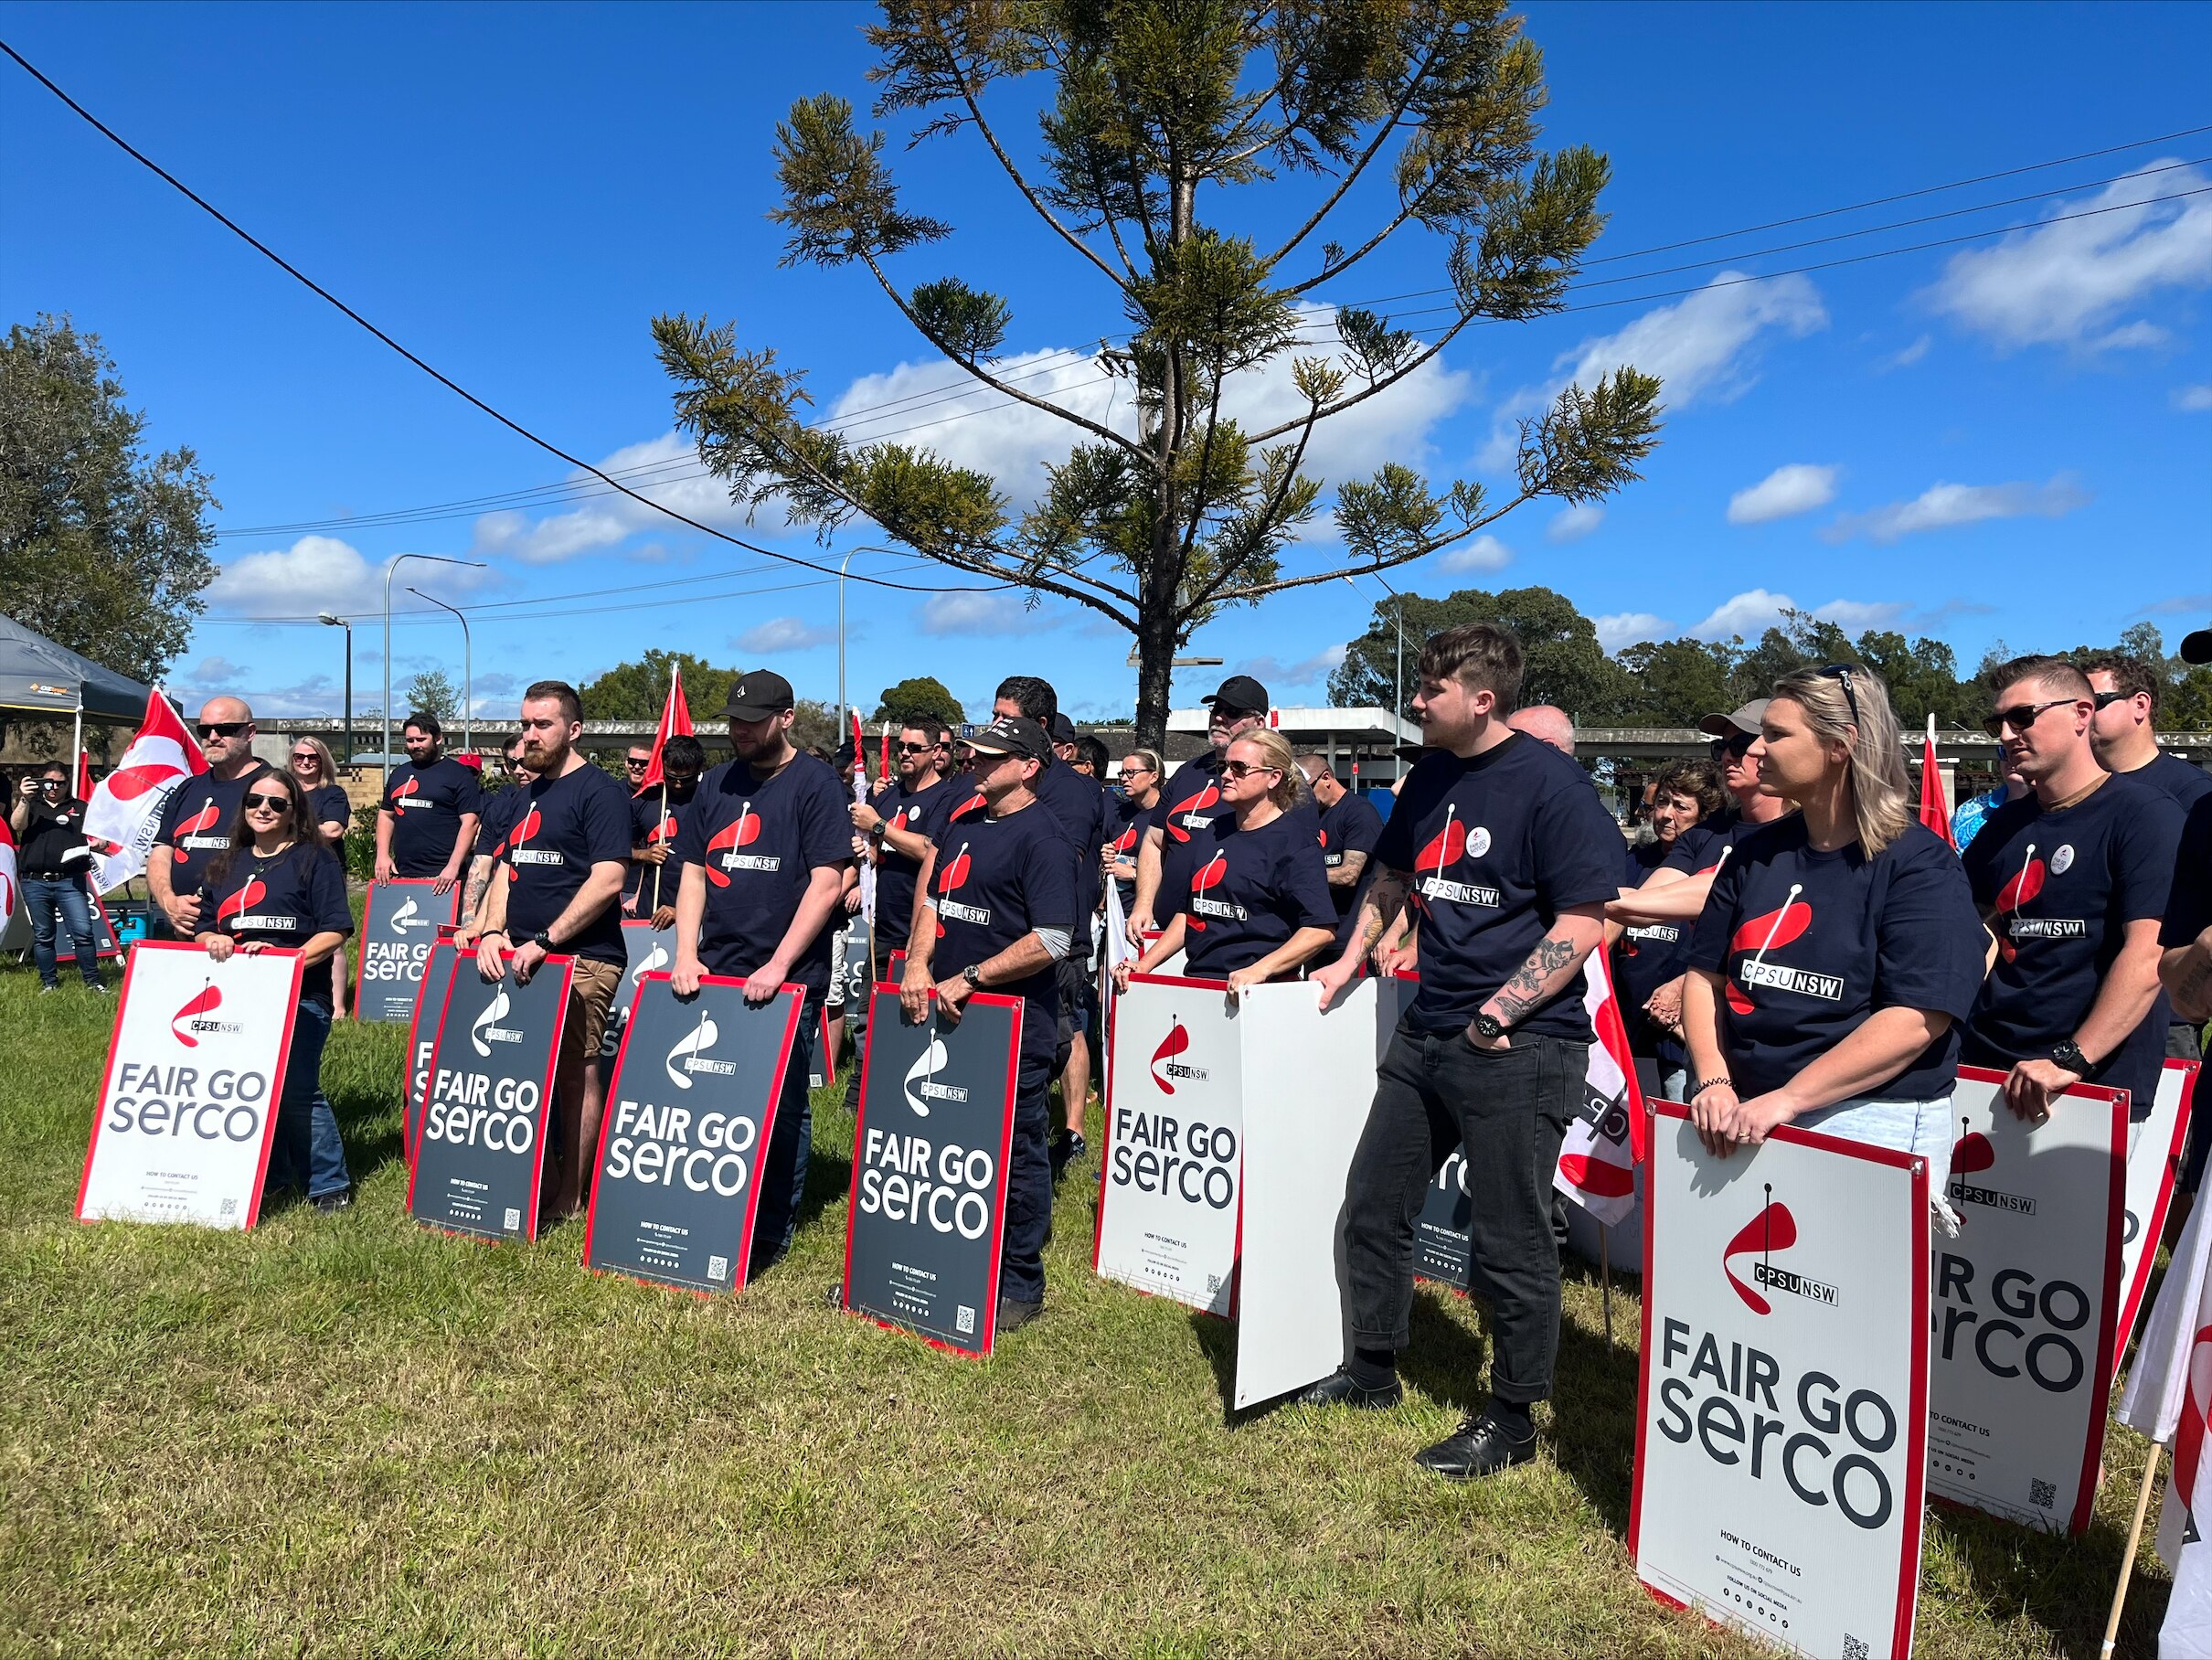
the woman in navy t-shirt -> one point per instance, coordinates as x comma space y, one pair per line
1255, 905
1840, 948
315, 770
278, 884
1648, 955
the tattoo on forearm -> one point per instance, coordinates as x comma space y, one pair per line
1385, 897
1526, 988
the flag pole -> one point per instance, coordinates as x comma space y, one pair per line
662, 824
1605, 1277
2127, 1558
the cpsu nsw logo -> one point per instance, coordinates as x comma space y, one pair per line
690, 1056
921, 1086
1971, 1154
197, 1018
1166, 1069
1752, 1253
486, 1029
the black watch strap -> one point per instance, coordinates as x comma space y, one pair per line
2069, 1055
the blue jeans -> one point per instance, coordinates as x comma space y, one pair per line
64, 897
782, 1170
307, 1143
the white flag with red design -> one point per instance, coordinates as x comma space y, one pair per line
861, 795
1603, 1146
124, 809
2168, 1399
7, 874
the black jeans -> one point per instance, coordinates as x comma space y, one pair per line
1510, 1109
1021, 1274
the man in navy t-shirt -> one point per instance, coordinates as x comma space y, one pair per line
564, 862
494, 818
2072, 879
2184, 938
656, 813
765, 851
1510, 857
426, 825
999, 910
1350, 829
197, 819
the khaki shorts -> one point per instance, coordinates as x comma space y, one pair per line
592, 988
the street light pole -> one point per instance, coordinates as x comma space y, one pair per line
384, 758
1397, 675
468, 699
330, 622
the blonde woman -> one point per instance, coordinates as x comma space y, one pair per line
316, 773
1839, 950
1256, 903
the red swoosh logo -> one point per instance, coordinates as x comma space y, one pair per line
2022, 886
954, 874
407, 787
1972, 1152
722, 841
1786, 924
128, 783
200, 1003
1774, 1228
243, 901
1171, 1045
1447, 847
1597, 1177
1207, 797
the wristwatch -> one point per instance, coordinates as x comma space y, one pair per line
972, 974
1490, 1026
2069, 1055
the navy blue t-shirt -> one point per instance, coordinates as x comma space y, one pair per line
1249, 890
996, 879
919, 813
1701, 849
1125, 829
2190, 904
326, 803
286, 900
1498, 845
1648, 956
496, 817
1078, 804
196, 824
427, 805
2186, 781
758, 843
1808, 944
1352, 825
562, 827
652, 820
2059, 888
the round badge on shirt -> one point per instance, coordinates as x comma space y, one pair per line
1478, 844
2063, 860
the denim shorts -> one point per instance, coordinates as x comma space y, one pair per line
1923, 1128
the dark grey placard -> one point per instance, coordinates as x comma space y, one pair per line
422, 1033
650, 951
1440, 1248
399, 926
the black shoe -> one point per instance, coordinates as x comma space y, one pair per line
331, 1202
1013, 1314
1478, 1447
1065, 1150
1340, 1389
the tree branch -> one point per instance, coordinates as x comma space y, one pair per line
1337, 269
1413, 84
1369, 568
1382, 384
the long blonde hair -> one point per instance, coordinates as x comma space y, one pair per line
1850, 705
1280, 755
322, 749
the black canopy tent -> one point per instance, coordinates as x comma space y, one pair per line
38, 677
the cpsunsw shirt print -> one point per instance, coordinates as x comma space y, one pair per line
757, 842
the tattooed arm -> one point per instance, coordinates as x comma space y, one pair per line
1557, 959
1384, 899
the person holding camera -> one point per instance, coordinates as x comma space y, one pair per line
54, 856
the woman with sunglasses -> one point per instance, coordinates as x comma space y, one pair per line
1257, 903
1131, 813
317, 775
1839, 951
278, 883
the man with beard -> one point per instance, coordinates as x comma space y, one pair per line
565, 858
426, 825
765, 851
195, 819
655, 815
1350, 826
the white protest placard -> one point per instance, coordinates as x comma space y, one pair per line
1171, 1170
195, 1071
2026, 1299
2154, 1161
1782, 1406
1309, 1079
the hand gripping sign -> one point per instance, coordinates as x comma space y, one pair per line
422, 1034
1782, 1402
929, 1150
483, 1145
1171, 1174
195, 1071
399, 926
689, 1113
2026, 1301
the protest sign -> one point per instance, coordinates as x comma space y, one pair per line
399, 925
649, 951
2155, 1157
195, 1071
422, 1033
929, 1150
1441, 1247
483, 1142
1310, 1078
1782, 1397
16, 934
2026, 1299
1171, 1172
689, 1112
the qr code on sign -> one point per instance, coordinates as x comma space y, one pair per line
513, 1217
1213, 1284
1853, 1648
717, 1268
228, 1207
2041, 1494
964, 1319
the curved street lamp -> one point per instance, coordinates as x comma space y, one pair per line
384, 759
468, 699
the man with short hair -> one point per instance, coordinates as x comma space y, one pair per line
1546, 723
426, 824
1192, 797
565, 858
52, 859
1511, 857
656, 814
998, 911
1093, 759
1350, 826
764, 852
637, 761
197, 819
2072, 879
1649, 959
2124, 731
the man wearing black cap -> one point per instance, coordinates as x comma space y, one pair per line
1192, 799
655, 817
999, 910
763, 851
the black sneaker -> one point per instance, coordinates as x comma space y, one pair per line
333, 1202
1065, 1150
1340, 1389
1013, 1314
1478, 1447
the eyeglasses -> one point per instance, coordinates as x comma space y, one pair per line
1842, 672
2106, 699
221, 728
1238, 769
271, 803
2021, 715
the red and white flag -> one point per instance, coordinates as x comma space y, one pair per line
7, 874
1605, 1144
860, 794
2169, 1399
1934, 812
123, 811
675, 722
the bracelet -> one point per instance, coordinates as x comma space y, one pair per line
1723, 1081
502, 932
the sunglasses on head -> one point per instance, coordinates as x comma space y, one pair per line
278, 802
1842, 672
2021, 715
221, 728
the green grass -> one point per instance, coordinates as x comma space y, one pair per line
346, 1434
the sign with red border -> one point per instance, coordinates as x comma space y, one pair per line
399, 923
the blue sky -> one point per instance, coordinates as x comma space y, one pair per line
2007, 439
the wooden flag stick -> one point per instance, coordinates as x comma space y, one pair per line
2127, 1559
1605, 1277
663, 825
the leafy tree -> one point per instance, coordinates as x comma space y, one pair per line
1562, 662
431, 693
1677, 683
639, 691
921, 697
2187, 706
1149, 105
102, 549
1922, 676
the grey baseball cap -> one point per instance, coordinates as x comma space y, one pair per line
1745, 719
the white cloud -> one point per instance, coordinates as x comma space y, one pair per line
1624, 628
1941, 506
1483, 553
784, 635
320, 573
1277, 676
1910, 354
1752, 613
2192, 398
2066, 284
1573, 524
976, 613
1797, 488
675, 480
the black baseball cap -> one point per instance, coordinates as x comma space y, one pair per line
1012, 735
1063, 728
758, 694
1241, 692
2197, 648
1745, 719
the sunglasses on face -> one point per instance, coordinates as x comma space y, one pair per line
2021, 715
221, 728
1738, 747
634, 764
1238, 769
271, 804
307, 755
916, 749
2106, 699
